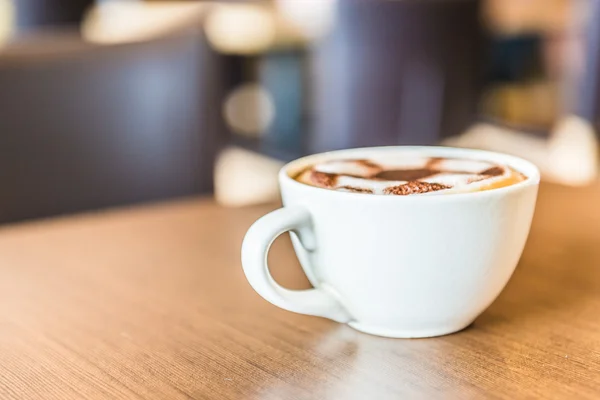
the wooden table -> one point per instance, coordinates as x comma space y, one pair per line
151, 303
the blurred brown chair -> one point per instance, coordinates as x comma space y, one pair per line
85, 127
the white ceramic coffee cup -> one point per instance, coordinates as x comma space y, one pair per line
396, 266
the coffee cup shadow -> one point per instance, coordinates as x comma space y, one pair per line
531, 294
562, 247
531, 323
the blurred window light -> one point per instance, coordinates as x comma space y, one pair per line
249, 110
7, 20
569, 156
514, 16
240, 28
313, 18
573, 152
125, 21
243, 178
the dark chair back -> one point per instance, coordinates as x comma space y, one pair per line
87, 127
397, 72
33, 14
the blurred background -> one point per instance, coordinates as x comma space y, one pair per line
117, 102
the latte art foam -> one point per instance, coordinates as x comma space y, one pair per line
389, 175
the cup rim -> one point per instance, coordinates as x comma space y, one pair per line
527, 168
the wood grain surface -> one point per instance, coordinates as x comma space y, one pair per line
151, 303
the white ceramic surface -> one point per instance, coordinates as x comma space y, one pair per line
396, 266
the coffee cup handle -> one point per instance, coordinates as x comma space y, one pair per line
318, 301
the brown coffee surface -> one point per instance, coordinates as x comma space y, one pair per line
413, 175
